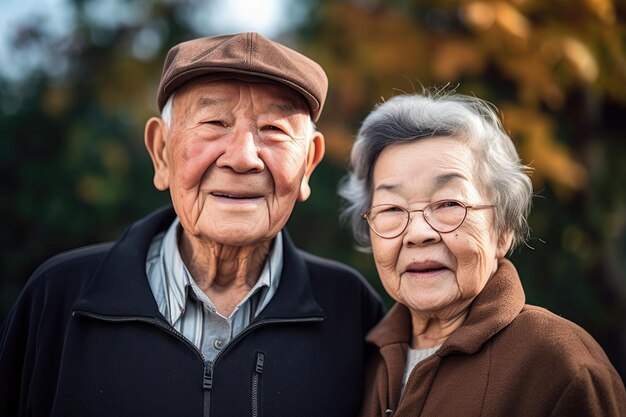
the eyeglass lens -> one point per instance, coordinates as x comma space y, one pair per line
390, 220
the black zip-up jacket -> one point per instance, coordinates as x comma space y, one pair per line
86, 339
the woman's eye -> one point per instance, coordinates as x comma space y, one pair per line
446, 204
391, 209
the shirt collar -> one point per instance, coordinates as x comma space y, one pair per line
179, 281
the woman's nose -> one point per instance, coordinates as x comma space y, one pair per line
241, 153
418, 232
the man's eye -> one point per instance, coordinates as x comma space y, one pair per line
217, 123
272, 128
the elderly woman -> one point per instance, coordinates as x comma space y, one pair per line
439, 195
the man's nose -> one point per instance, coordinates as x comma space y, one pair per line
241, 153
418, 232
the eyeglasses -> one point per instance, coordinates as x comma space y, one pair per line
389, 221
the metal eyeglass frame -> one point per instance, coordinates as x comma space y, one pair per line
409, 218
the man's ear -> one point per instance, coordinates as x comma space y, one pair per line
504, 244
314, 156
154, 138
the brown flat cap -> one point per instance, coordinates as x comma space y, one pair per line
248, 54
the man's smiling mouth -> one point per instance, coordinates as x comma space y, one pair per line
236, 197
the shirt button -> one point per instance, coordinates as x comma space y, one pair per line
218, 344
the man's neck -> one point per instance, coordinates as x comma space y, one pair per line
224, 273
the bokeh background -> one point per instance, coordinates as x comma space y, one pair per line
78, 80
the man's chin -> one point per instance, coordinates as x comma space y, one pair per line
240, 234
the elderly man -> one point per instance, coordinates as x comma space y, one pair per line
206, 308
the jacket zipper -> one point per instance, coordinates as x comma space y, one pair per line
207, 380
208, 370
207, 385
256, 383
209, 365
153, 322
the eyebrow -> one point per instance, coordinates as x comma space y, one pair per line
440, 181
208, 101
282, 107
285, 107
387, 187
444, 179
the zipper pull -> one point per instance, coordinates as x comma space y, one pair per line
388, 412
260, 362
207, 381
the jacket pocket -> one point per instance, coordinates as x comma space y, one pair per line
256, 384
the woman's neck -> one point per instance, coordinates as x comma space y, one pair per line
431, 330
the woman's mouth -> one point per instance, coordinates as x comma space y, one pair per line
426, 268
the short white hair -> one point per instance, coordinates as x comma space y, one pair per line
166, 113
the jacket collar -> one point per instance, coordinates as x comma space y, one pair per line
494, 308
120, 285
294, 297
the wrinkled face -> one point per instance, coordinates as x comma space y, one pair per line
235, 158
431, 272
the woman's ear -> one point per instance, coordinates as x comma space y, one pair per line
154, 138
504, 244
314, 156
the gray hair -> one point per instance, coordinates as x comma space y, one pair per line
408, 118
166, 115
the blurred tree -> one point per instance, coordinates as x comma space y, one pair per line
74, 170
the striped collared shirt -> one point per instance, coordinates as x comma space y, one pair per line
189, 310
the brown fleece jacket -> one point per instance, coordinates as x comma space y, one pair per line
507, 359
